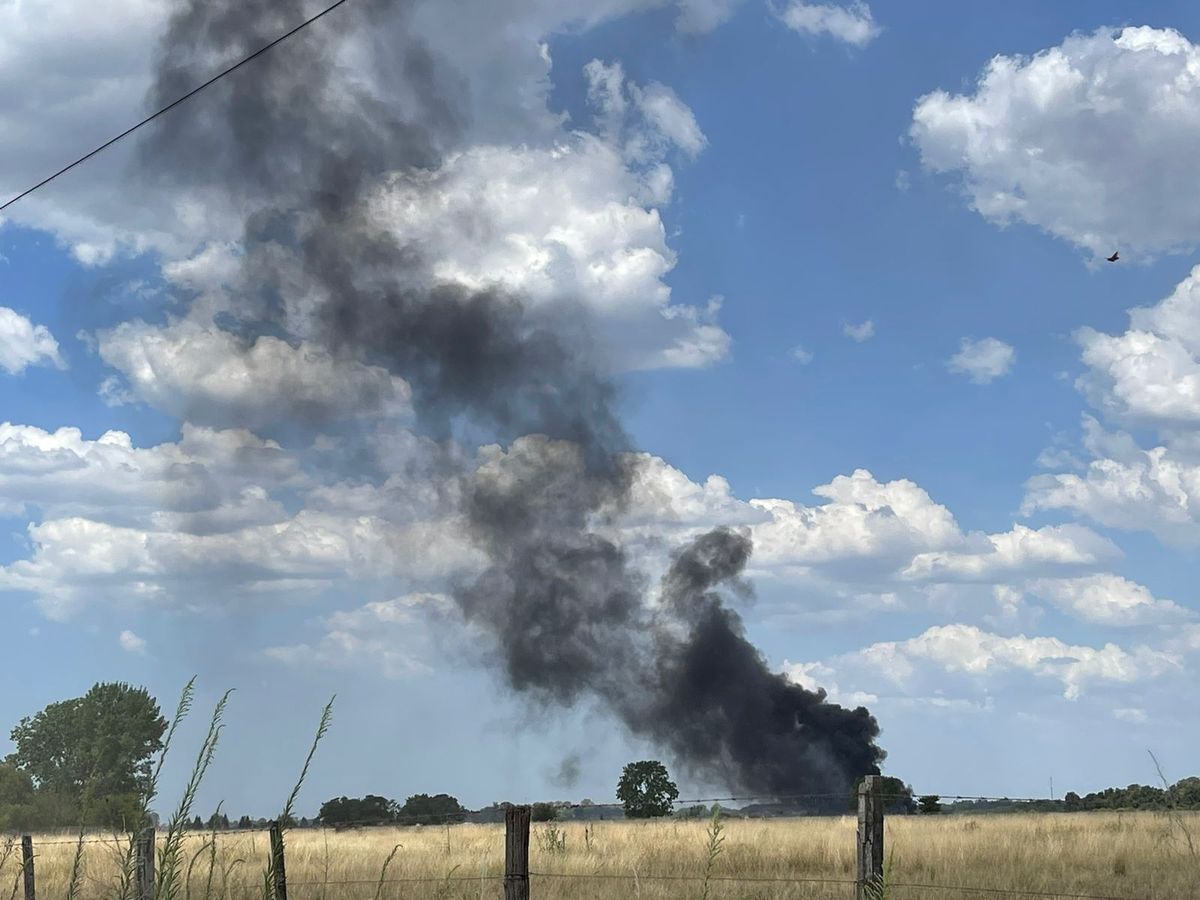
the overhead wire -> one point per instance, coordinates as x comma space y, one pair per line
174, 103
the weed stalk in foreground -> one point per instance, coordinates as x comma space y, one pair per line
716, 838
881, 888
1174, 819
289, 809
128, 874
76, 881
383, 872
169, 876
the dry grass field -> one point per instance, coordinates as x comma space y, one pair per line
1136, 855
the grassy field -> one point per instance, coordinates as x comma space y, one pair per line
1137, 855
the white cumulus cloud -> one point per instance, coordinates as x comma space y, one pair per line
24, 344
569, 222
1108, 599
1092, 140
982, 361
131, 643
863, 331
1021, 551
387, 636
920, 665
851, 22
194, 369
1130, 488
1150, 374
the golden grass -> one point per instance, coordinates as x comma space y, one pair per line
1140, 855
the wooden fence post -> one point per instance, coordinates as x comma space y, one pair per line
143, 864
278, 872
870, 838
516, 853
27, 862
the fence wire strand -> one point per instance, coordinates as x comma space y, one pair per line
438, 879
1017, 892
747, 879
804, 879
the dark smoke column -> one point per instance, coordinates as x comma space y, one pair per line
308, 147
720, 707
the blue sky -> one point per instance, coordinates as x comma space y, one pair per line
998, 558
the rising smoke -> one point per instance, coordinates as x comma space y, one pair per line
302, 145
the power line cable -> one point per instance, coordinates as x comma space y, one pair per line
193, 92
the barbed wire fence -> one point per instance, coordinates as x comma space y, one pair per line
519, 880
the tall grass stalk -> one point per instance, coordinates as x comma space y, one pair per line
127, 875
212, 854
225, 873
325, 867
170, 855
187, 881
76, 881
6, 853
446, 888
881, 889
182, 708
383, 872
289, 808
716, 839
1174, 819
10, 847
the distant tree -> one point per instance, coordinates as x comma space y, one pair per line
897, 796
16, 786
1072, 802
646, 790
930, 804
245, 822
1185, 793
543, 812
24, 808
196, 824
431, 809
586, 801
101, 743
1134, 796
16, 799
700, 811
121, 811
368, 810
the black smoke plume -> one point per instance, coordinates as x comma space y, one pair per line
299, 145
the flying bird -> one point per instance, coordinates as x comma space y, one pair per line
1114, 257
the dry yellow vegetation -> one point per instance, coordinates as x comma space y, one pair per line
1136, 855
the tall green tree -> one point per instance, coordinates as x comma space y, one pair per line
16, 799
369, 810
543, 812
431, 810
96, 748
1185, 793
646, 790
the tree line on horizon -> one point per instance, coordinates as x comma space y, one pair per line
88, 761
